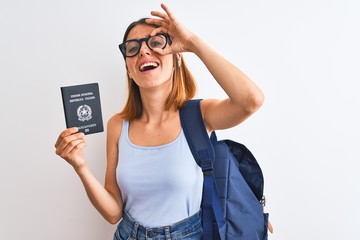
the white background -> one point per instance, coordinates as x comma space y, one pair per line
303, 54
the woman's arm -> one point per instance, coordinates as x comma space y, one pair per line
107, 200
244, 97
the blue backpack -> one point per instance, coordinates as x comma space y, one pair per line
232, 203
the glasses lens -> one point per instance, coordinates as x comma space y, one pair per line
132, 48
158, 41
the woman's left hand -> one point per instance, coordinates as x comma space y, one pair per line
168, 23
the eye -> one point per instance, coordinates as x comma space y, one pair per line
157, 42
132, 47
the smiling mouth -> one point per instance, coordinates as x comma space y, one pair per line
148, 66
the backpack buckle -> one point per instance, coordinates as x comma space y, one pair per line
263, 201
207, 167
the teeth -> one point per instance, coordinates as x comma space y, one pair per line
148, 64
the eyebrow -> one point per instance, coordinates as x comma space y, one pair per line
137, 39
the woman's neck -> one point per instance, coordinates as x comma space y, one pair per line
153, 103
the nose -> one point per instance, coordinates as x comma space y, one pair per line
144, 49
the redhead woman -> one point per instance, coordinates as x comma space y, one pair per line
153, 184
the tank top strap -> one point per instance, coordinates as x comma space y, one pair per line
124, 131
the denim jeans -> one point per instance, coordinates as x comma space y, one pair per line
187, 229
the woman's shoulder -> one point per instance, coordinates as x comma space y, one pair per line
115, 119
205, 104
114, 126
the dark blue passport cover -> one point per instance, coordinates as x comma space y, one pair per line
82, 107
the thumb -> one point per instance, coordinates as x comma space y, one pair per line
165, 51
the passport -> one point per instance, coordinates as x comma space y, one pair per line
82, 107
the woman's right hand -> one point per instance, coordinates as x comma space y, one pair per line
69, 146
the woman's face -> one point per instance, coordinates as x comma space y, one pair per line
148, 69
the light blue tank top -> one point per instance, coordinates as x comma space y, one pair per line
160, 185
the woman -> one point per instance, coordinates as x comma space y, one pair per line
152, 181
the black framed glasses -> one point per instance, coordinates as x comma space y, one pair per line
132, 47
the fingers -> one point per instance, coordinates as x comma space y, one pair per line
165, 18
71, 148
167, 23
66, 133
164, 51
68, 140
168, 15
159, 30
158, 22
161, 15
168, 12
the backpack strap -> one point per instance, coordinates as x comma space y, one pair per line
203, 152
